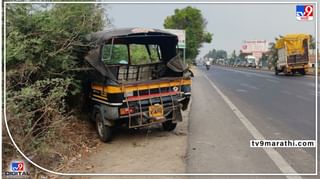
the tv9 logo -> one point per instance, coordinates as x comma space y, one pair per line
17, 166
16, 169
304, 12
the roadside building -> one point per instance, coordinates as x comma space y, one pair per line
255, 48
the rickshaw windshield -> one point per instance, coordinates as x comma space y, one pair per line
132, 54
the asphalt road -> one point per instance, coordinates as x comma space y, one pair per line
232, 106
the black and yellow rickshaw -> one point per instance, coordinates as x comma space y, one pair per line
139, 79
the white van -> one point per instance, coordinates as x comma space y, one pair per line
251, 61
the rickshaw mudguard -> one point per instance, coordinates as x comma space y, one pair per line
99, 108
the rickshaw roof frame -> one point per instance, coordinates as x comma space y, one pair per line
102, 37
143, 35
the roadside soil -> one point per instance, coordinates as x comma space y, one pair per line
146, 150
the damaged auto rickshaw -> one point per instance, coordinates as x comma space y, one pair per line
139, 79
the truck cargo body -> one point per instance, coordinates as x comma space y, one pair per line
293, 56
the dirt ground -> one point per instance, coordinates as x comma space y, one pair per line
147, 150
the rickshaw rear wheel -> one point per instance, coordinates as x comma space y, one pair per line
103, 130
169, 125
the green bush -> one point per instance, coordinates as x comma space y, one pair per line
43, 68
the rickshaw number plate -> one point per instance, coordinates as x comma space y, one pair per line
156, 111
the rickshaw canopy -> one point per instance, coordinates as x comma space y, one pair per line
165, 40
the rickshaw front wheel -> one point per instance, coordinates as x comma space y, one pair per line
104, 131
169, 125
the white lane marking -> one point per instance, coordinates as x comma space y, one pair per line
280, 162
312, 94
264, 75
311, 84
241, 90
249, 86
297, 96
273, 81
286, 92
304, 98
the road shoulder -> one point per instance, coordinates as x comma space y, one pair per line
218, 141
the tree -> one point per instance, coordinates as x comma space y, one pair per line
233, 57
222, 54
312, 42
215, 54
194, 24
242, 55
273, 57
273, 51
211, 54
264, 59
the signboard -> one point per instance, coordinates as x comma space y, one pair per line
181, 36
254, 46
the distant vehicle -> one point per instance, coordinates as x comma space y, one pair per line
243, 63
251, 61
221, 61
208, 64
236, 63
293, 54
